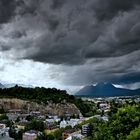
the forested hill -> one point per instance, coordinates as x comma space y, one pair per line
37, 94
44, 95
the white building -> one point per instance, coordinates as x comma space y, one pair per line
71, 122
30, 135
104, 106
53, 120
63, 124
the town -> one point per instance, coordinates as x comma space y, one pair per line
35, 125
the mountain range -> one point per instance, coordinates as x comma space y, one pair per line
99, 90
12, 85
106, 90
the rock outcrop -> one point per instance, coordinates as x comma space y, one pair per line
27, 106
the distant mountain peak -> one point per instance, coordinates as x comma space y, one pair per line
13, 85
105, 90
104, 84
2, 86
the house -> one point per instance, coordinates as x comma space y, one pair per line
71, 122
30, 135
35, 113
69, 133
12, 116
86, 129
53, 119
2, 126
104, 106
21, 124
63, 124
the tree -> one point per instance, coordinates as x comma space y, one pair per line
58, 134
43, 136
3, 117
18, 119
35, 125
2, 110
120, 125
50, 137
17, 135
29, 118
74, 138
134, 134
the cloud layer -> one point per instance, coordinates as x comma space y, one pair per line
88, 40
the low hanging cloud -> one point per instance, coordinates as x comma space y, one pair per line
99, 38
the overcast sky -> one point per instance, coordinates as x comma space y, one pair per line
70, 43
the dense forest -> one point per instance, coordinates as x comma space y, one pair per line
40, 95
45, 95
123, 125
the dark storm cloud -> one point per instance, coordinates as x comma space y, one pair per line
115, 69
57, 4
105, 10
53, 24
120, 38
17, 34
27, 6
101, 39
75, 31
7, 9
4, 48
127, 78
78, 31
